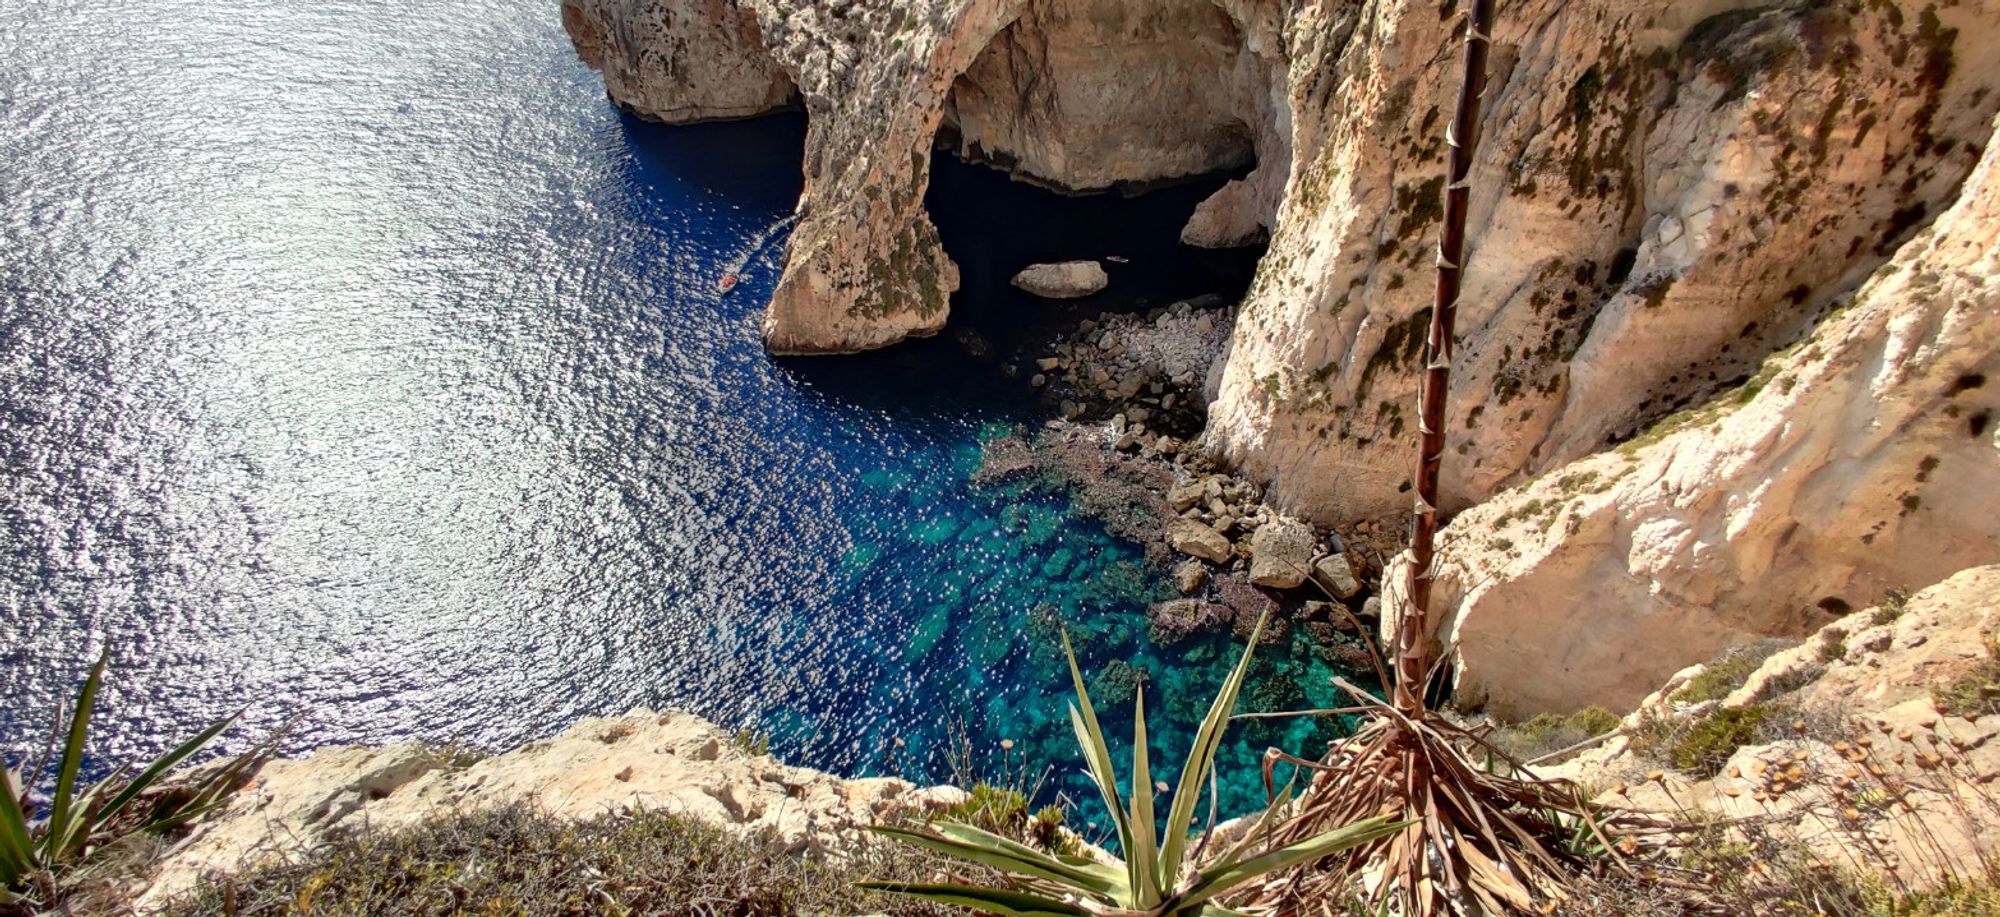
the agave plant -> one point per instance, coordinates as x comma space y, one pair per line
34, 844
1161, 874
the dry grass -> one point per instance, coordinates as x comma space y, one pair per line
516, 860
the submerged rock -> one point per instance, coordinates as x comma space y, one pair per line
1063, 280
1189, 575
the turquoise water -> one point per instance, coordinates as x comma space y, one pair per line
360, 362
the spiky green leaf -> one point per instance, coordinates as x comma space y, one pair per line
1090, 738
1201, 758
62, 809
160, 767
972, 847
1226, 878
1144, 854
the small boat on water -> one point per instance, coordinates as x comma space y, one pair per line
1117, 259
727, 283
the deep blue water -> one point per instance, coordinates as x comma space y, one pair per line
359, 361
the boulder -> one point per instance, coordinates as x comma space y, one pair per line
1062, 280
1189, 576
1337, 575
1185, 495
1197, 540
1280, 553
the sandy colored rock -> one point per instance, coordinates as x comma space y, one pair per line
1062, 280
1854, 463
1870, 722
1281, 554
1337, 575
675, 761
1657, 206
1197, 540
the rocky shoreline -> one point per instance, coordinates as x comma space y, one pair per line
1125, 392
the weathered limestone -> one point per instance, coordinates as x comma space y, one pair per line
1281, 554
1197, 540
1062, 280
1087, 94
1665, 194
675, 761
1861, 461
681, 62
1870, 674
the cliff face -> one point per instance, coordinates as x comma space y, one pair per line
1863, 460
1668, 199
1665, 194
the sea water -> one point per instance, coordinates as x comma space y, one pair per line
361, 364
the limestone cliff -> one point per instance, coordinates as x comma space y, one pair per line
1667, 192
1672, 201
1862, 766
1862, 460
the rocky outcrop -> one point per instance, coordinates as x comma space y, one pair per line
673, 761
1665, 194
681, 62
1088, 94
1062, 280
1858, 462
1859, 763
1281, 553
1197, 540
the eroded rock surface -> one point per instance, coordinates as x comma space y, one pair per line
1062, 280
1859, 763
1861, 461
674, 761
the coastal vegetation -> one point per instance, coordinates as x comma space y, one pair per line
1160, 873
43, 841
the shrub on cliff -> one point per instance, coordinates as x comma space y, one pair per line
518, 860
43, 845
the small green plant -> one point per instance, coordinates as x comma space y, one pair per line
1833, 650
1001, 810
1892, 607
1727, 673
35, 844
1708, 743
1160, 875
1553, 732
752, 742
1975, 693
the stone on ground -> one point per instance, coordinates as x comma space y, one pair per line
1063, 280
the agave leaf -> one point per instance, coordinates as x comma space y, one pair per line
1201, 758
1083, 718
1241, 849
990, 900
61, 810
160, 767
1112, 877
1221, 881
17, 850
978, 847
1144, 854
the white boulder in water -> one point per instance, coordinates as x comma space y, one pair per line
1063, 280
